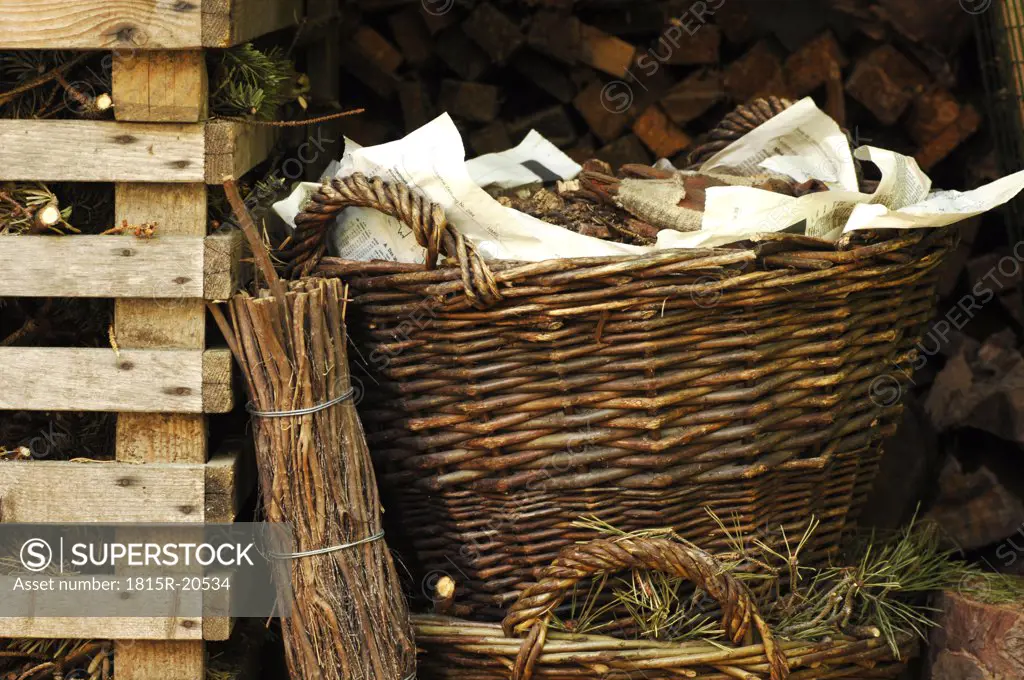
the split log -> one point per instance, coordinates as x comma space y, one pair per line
933, 110
693, 96
808, 68
412, 36
659, 134
376, 48
490, 138
556, 35
949, 139
461, 54
976, 641
546, 74
757, 73
605, 108
553, 122
624, 150
472, 101
886, 82
494, 32
417, 109
604, 52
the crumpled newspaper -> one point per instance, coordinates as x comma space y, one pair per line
802, 142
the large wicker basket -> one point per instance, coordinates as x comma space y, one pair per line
504, 400
456, 649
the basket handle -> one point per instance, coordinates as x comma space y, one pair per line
532, 612
426, 219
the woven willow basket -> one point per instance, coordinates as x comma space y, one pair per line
505, 400
464, 650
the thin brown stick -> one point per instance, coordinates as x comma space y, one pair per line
47, 77
292, 123
259, 250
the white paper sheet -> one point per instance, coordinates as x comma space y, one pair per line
432, 160
939, 209
801, 142
534, 160
802, 139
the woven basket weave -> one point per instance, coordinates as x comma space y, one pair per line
504, 400
464, 650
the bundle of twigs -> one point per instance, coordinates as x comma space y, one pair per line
26, 659
349, 619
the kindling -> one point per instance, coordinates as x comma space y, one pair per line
160, 554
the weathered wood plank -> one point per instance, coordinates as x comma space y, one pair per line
99, 24
101, 151
231, 22
163, 267
151, 436
140, 24
115, 492
223, 271
171, 87
107, 151
128, 629
74, 379
235, 148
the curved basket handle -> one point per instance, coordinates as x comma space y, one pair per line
423, 216
533, 610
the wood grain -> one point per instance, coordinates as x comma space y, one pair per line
235, 148
117, 492
108, 151
231, 22
99, 24
166, 267
129, 629
223, 270
154, 436
101, 151
140, 24
162, 324
161, 86
74, 379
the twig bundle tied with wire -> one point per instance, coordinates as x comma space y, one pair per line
349, 619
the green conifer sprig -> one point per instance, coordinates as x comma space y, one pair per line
249, 82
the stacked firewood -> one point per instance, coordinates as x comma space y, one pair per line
629, 83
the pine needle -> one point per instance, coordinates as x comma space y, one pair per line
252, 83
880, 593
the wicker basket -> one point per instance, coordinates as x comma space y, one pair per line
507, 399
464, 650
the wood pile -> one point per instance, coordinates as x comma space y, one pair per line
638, 82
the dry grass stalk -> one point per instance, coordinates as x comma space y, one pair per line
349, 619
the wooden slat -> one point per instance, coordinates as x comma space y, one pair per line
73, 379
99, 24
170, 87
151, 436
164, 267
115, 492
231, 22
230, 482
224, 273
107, 151
100, 151
130, 629
140, 24
235, 148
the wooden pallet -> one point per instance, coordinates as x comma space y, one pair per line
118, 492
160, 153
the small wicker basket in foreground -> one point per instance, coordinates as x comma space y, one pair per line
464, 650
507, 399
